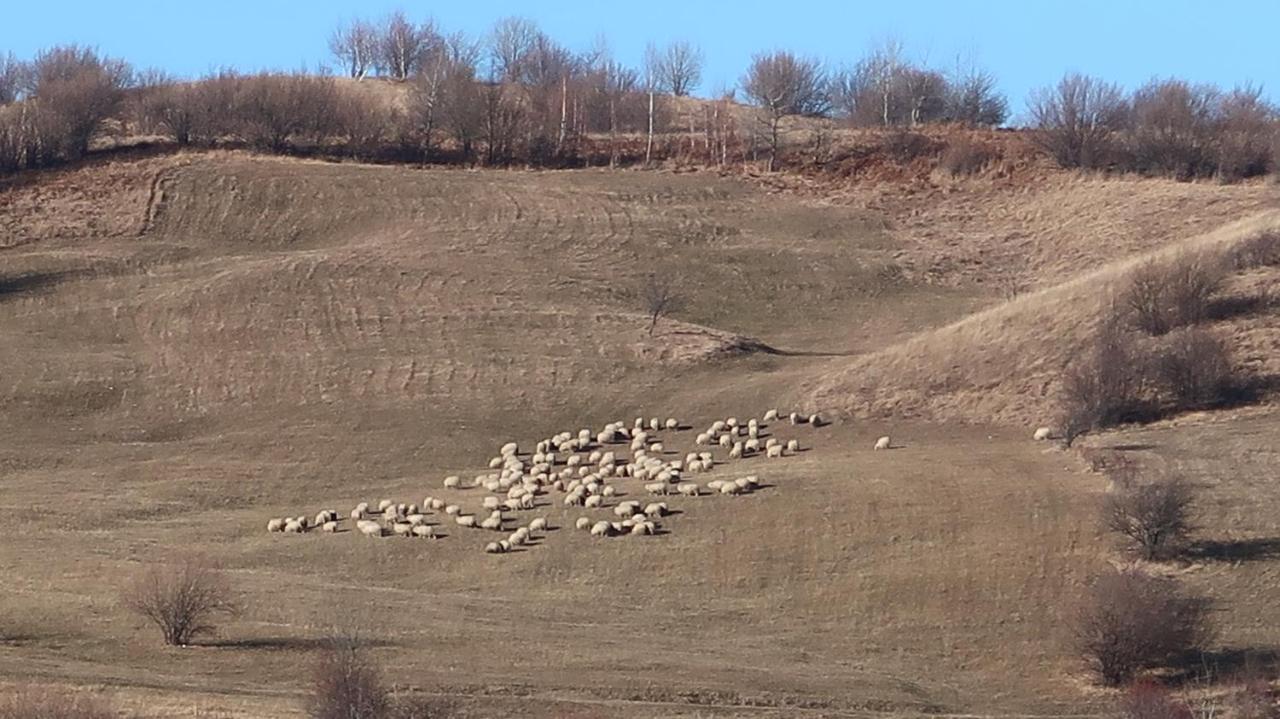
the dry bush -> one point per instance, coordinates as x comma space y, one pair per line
171, 108
275, 112
423, 707
1103, 386
30, 702
362, 122
906, 146
1149, 700
1155, 516
1131, 621
965, 156
76, 90
1164, 295
181, 598
1261, 250
346, 684
1079, 121
1174, 129
660, 298
1246, 127
1194, 367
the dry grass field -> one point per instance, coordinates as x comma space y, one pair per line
197, 343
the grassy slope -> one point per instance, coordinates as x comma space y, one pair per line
257, 337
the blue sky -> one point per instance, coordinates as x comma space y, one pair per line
1027, 43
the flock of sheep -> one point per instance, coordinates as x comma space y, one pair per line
588, 469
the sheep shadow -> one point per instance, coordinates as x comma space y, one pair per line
1233, 550
1133, 447
1225, 308
1213, 665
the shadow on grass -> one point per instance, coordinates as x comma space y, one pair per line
282, 643
1234, 550
1225, 664
28, 282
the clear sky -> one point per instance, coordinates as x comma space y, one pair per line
1026, 43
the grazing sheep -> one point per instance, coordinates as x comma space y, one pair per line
491, 502
774, 451
753, 432
452, 510
509, 449
752, 445
671, 424
656, 487
1042, 434
688, 489
539, 524
601, 529
437, 504
294, 527
726, 440
639, 529
594, 500
744, 484
382, 505
772, 441
608, 491
492, 523
736, 451
793, 446
656, 509
402, 529
422, 530
882, 443
815, 419
574, 499
626, 509
528, 501
416, 519
369, 528
794, 418
583, 523
323, 517
702, 439
466, 520
452, 482
493, 548
495, 463
730, 488
771, 415
655, 425
276, 525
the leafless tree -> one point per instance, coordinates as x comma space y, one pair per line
660, 298
181, 597
171, 108
973, 97
76, 90
439, 65
346, 682
11, 78
680, 67
510, 43
1078, 120
1163, 295
503, 116
783, 84
355, 45
274, 111
402, 45
1193, 365
1102, 385
1131, 621
652, 81
1174, 128
1154, 515
1246, 126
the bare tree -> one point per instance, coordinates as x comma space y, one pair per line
181, 598
1154, 515
1102, 385
1131, 621
11, 78
171, 108
402, 45
510, 43
76, 90
680, 68
660, 298
1174, 129
355, 45
1078, 120
973, 97
783, 84
652, 80
346, 682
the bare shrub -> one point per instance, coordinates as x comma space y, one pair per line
12, 78
1078, 121
965, 156
973, 98
424, 707
274, 111
1149, 700
680, 68
905, 146
660, 298
1246, 126
181, 598
1103, 386
1262, 250
1165, 295
1174, 129
172, 108
75, 90
1194, 367
1155, 516
361, 121
355, 45
31, 702
346, 684
1131, 621
784, 84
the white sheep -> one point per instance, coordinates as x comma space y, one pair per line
495, 463
453, 481
656, 509
771, 415
583, 523
416, 519
882, 443
402, 529
702, 439
422, 530
774, 451
465, 520
538, 524
382, 505
1042, 433
293, 526
730, 488
509, 449
491, 502
656, 488
736, 451
608, 491
493, 548
752, 445
452, 510
815, 419
793, 446
726, 440
671, 423
688, 489
594, 500
369, 528
794, 418
437, 504
601, 529
276, 525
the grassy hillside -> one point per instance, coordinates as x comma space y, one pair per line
200, 342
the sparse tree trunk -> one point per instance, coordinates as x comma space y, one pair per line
564, 112
613, 133
648, 145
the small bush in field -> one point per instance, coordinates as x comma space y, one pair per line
1155, 516
29, 702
